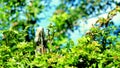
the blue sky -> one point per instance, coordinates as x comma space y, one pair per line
51, 7
47, 13
85, 27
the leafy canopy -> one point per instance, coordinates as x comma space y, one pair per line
97, 48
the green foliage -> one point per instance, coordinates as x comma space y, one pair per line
96, 49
